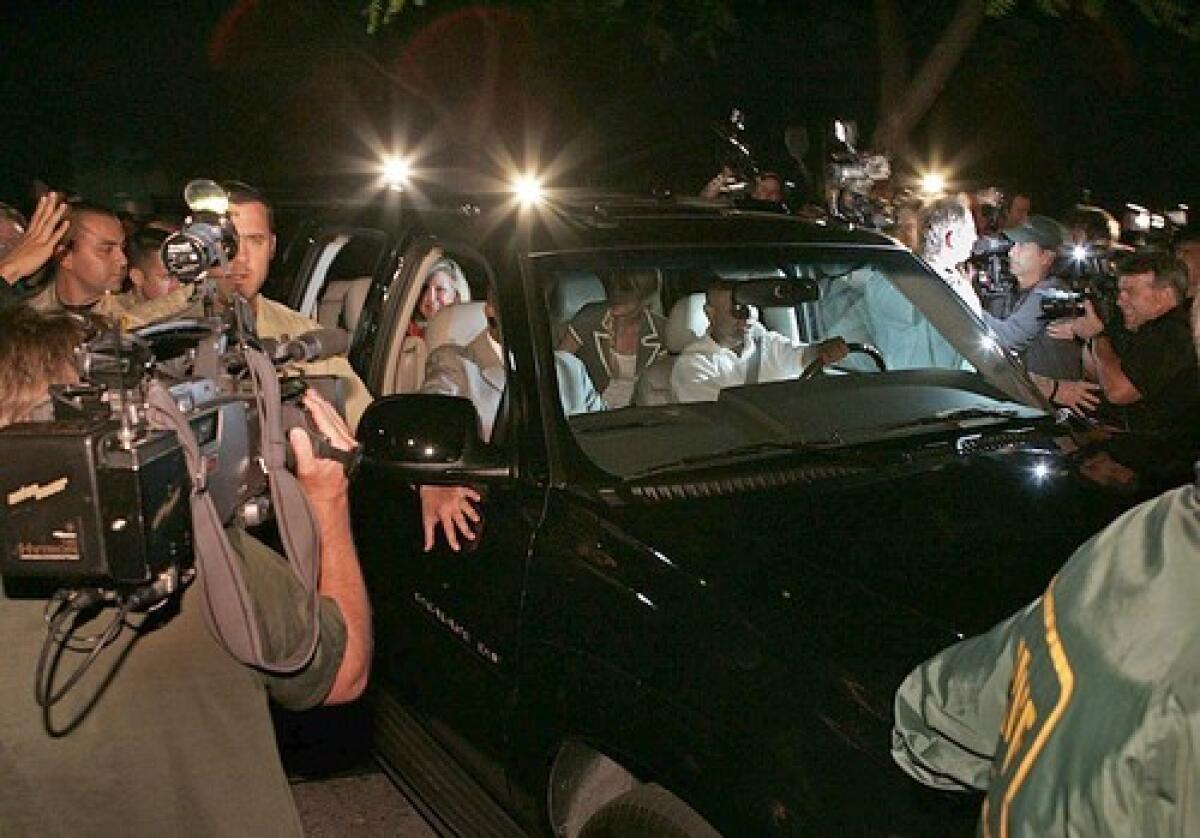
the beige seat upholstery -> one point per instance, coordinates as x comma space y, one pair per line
342, 303
687, 323
459, 324
573, 291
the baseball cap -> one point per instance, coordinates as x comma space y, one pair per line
1039, 229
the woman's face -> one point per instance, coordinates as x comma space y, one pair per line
439, 292
625, 297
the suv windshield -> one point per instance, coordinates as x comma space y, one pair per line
703, 356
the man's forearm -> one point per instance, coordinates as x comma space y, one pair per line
1117, 387
342, 581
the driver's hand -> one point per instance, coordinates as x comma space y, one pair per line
452, 507
831, 351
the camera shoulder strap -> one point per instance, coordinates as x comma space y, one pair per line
228, 604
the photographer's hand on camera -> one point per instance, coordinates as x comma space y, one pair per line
325, 484
323, 479
1089, 325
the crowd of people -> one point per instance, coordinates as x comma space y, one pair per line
1128, 362
1125, 358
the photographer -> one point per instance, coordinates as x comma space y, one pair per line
1023, 330
167, 734
1148, 373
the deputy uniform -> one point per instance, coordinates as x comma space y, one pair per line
1080, 714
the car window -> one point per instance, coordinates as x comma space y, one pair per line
678, 393
335, 259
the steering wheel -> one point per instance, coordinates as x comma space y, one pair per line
817, 366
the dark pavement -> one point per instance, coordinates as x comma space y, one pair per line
340, 790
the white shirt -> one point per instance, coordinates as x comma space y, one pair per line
620, 387
704, 366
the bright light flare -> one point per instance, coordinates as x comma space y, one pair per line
933, 183
529, 190
396, 172
1078, 253
1040, 471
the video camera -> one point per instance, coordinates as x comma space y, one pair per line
990, 254
1089, 272
850, 179
99, 496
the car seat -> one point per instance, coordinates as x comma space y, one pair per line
342, 303
686, 324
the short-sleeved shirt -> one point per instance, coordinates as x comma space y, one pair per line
179, 742
1159, 359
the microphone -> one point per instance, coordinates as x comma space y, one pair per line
316, 345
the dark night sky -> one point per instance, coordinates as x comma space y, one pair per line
98, 100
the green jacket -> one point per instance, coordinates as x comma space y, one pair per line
1080, 714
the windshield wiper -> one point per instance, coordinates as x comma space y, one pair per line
958, 414
742, 451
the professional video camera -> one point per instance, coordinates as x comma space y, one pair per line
989, 255
850, 180
175, 432
1089, 273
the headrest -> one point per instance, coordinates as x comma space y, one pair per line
356, 297
573, 291
687, 322
459, 324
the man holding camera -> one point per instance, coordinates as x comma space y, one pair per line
1023, 330
1148, 373
167, 734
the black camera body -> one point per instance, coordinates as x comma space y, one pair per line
1089, 272
990, 255
81, 506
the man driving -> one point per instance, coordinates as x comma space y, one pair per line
738, 350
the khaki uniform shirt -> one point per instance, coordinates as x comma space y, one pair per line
273, 320
46, 300
1079, 715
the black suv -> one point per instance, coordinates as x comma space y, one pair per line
681, 618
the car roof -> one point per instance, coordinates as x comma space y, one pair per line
581, 219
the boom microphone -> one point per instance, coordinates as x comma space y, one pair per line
316, 345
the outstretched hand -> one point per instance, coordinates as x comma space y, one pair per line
46, 229
1080, 396
453, 508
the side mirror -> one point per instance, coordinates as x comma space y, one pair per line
429, 439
